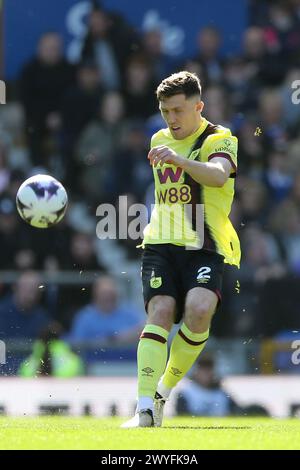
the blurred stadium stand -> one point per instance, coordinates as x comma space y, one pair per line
88, 121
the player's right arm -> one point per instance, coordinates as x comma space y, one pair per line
213, 173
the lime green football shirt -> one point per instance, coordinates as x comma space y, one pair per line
171, 220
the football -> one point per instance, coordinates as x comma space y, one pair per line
41, 201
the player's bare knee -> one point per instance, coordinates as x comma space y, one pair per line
197, 314
161, 311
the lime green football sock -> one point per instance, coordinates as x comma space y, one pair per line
186, 347
152, 357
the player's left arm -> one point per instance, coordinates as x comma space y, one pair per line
213, 173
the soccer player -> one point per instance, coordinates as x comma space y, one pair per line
186, 243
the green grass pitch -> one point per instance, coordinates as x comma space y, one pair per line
177, 434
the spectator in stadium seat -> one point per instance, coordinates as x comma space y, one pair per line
272, 118
4, 168
43, 83
51, 356
108, 42
9, 236
16, 248
251, 149
81, 254
285, 222
264, 64
152, 46
254, 202
262, 262
278, 176
79, 257
203, 395
84, 95
242, 91
209, 43
130, 173
217, 105
106, 318
97, 143
282, 30
21, 313
295, 193
139, 88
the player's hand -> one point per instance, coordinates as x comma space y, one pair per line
162, 154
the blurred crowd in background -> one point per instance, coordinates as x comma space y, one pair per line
90, 124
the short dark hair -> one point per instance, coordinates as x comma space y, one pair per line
182, 82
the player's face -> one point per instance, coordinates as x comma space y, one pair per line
181, 114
